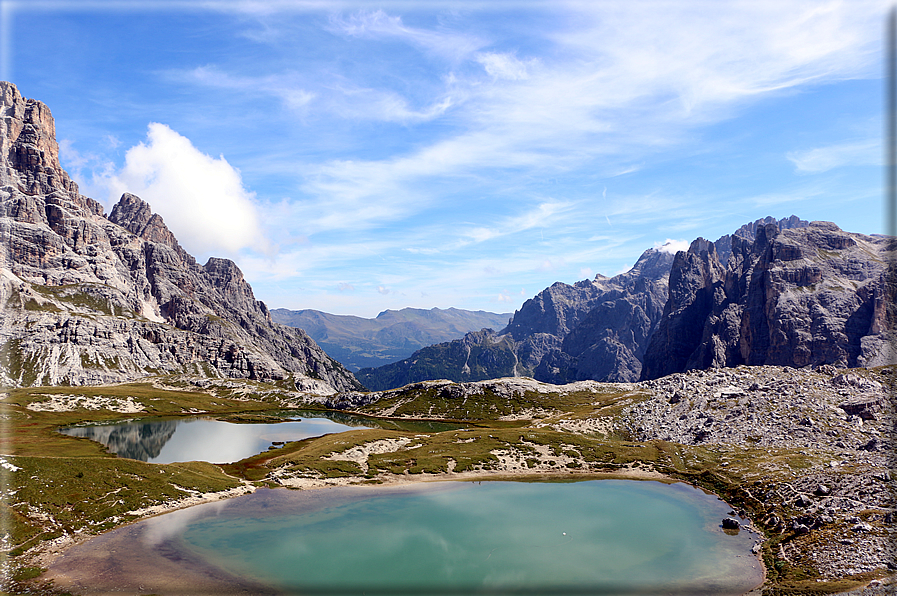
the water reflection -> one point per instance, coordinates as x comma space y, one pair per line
143, 441
166, 441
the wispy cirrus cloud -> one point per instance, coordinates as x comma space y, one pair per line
287, 87
504, 66
334, 96
543, 215
454, 45
822, 159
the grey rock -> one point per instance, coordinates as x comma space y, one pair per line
806, 296
865, 406
94, 300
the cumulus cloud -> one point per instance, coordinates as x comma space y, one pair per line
383, 290
671, 246
201, 198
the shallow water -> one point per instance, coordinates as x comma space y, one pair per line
605, 536
171, 440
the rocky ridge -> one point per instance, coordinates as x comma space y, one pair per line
787, 292
798, 297
593, 329
90, 299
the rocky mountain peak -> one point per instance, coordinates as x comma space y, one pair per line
28, 143
749, 230
653, 264
808, 295
135, 215
94, 300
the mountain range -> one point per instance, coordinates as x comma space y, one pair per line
357, 342
91, 298
95, 299
781, 292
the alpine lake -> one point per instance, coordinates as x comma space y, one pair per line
608, 536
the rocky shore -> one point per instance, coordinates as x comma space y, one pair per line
838, 508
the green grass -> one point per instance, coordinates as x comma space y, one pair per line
96, 494
68, 484
441, 401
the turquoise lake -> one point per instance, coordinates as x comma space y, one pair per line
600, 536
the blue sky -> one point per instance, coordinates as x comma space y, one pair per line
358, 156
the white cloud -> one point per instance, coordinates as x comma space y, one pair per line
378, 24
503, 66
671, 246
543, 215
822, 159
202, 199
285, 86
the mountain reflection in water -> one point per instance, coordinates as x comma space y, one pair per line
143, 441
200, 439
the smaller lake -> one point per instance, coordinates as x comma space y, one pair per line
164, 441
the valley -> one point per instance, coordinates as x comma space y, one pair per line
391, 336
819, 494
758, 367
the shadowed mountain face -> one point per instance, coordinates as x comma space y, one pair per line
395, 334
791, 297
625, 307
786, 292
90, 299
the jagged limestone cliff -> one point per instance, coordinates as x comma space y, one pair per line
88, 299
796, 297
782, 292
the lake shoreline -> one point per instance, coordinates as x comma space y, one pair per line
205, 578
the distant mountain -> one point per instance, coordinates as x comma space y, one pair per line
357, 342
786, 292
625, 307
89, 299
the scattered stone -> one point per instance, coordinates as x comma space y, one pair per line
871, 445
803, 501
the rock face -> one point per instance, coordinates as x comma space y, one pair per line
478, 356
90, 300
797, 297
786, 292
